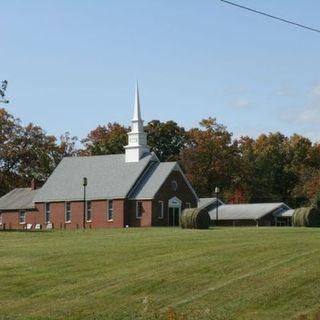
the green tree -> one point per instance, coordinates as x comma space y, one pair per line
67, 145
166, 139
246, 182
209, 158
270, 167
109, 139
10, 131
28, 152
3, 89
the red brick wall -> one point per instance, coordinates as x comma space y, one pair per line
10, 219
166, 192
40, 215
131, 219
124, 212
98, 214
150, 215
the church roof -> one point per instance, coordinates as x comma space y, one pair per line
208, 202
152, 180
19, 198
250, 211
109, 177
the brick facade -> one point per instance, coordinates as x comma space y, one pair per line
151, 214
166, 192
131, 218
124, 211
10, 219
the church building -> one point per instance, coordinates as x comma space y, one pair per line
132, 189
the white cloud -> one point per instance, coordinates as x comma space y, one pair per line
315, 92
307, 112
237, 96
301, 116
286, 90
240, 103
308, 116
236, 89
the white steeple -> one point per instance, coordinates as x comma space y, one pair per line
137, 138
137, 112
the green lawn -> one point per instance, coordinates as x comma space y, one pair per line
225, 273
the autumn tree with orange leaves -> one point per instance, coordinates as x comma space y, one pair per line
210, 157
27, 152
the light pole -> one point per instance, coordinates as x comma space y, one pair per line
85, 182
217, 190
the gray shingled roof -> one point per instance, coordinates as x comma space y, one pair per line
251, 211
206, 202
109, 177
19, 198
284, 214
152, 180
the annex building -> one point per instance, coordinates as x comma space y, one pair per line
131, 189
247, 214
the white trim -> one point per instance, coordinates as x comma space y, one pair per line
176, 167
137, 209
108, 202
46, 211
161, 216
179, 214
76, 200
86, 210
174, 185
66, 212
187, 182
144, 171
24, 216
174, 202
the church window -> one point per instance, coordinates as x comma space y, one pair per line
110, 210
160, 209
88, 211
47, 213
22, 216
139, 210
68, 212
174, 185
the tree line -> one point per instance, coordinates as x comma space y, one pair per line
270, 168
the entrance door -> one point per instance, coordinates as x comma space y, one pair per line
174, 217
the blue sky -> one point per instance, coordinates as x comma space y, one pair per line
72, 65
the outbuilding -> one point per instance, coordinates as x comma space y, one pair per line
17, 209
253, 214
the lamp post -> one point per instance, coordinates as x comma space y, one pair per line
85, 182
217, 190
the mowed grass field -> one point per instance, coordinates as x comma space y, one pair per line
223, 273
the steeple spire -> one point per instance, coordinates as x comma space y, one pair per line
137, 112
137, 139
